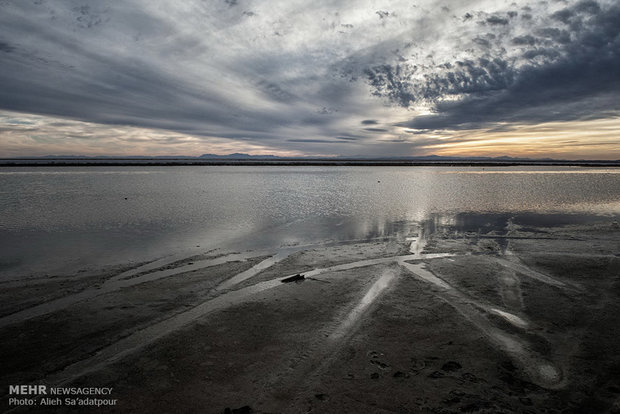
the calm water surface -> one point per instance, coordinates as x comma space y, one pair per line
58, 219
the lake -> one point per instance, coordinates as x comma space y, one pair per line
55, 220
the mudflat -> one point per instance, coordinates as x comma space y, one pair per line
518, 319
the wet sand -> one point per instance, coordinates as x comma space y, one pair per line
509, 319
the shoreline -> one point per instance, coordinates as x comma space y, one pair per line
123, 162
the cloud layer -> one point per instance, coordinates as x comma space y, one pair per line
291, 77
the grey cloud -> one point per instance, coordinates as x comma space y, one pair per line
545, 52
496, 20
369, 122
87, 18
60, 124
555, 34
317, 141
524, 40
113, 88
347, 136
326, 111
375, 130
482, 42
587, 6
563, 15
416, 131
574, 81
275, 91
391, 81
5, 47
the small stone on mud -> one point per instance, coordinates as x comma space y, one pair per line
373, 354
400, 374
322, 397
297, 278
374, 375
436, 374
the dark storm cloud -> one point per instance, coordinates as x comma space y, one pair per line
562, 82
5, 47
391, 81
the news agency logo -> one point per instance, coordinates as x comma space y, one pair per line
39, 394
27, 389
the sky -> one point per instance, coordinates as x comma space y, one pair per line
536, 79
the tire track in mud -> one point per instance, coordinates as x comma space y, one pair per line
336, 335
118, 282
538, 368
152, 333
526, 271
149, 272
304, 373
144, 337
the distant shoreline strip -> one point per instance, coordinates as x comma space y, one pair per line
290, 162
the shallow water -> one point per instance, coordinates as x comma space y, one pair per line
57, 220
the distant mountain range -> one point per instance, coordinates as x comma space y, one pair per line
241, 158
